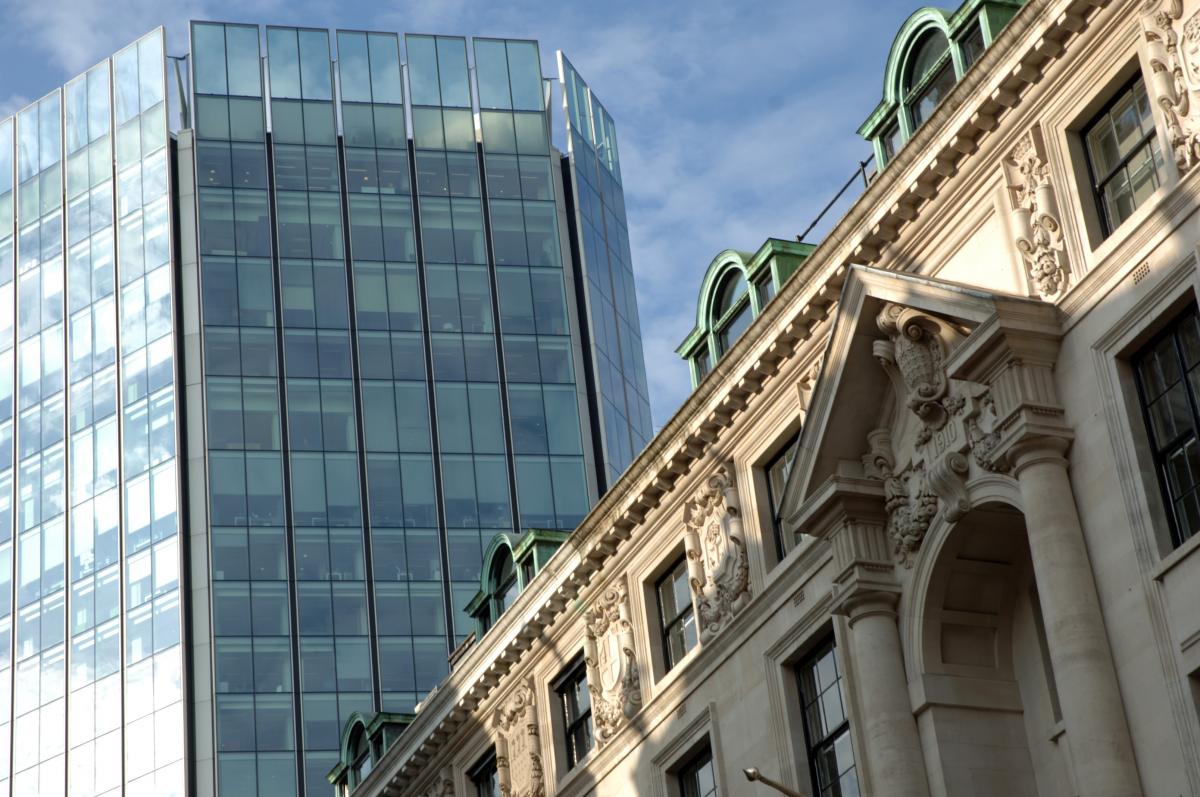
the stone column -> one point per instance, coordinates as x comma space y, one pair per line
894, 757
1014, 353
849, 512
1097, 733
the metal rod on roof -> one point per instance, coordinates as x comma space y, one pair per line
860, 171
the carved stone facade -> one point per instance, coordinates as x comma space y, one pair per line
718, 570
956, 419
442, 786
518, 744
1036, 227
1174, 55
614, 683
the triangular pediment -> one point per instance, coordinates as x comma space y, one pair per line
855, 393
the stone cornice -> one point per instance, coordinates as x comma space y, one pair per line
1037, 36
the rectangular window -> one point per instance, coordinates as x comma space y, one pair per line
576, 703
679, 633
484, 777
1167, 372
697, 778
972, 46
826, 727
891, 141
777, 475
1124, 159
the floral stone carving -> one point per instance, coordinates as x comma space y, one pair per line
1035, 223
1175, 66
956, 420
718, 570
518, 744
612, 670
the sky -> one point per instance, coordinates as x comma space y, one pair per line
736, 121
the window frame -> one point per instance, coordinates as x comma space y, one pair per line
1097, 184
1159, 454
574, 674
775, 502
814, 748
666, 625
686, 774
485, 767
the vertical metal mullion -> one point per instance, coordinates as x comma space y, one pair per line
502, 374
16, 452
285, 456
364, 498
119, 377
435, 445
67, 443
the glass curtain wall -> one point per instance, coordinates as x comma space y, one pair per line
616, 343
7, 315
39, 707
336, 676
153, 661
98, 665
252, 553
406, 554
473, 444
552, 485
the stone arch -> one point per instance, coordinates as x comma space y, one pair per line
982, 688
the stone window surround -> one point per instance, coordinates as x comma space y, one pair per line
679, 751
653, 630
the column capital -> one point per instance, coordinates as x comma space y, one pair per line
849, 512
1033, 449
1014, 353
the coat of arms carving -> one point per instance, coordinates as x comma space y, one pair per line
612, 671
718, 570
1175, 74
518, 744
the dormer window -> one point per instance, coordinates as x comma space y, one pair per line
732, 314
930, 76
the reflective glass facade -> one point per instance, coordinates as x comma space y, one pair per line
89, 483
602, 241
357, 249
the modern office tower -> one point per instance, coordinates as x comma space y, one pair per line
292, 326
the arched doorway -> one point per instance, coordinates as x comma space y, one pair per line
985, 696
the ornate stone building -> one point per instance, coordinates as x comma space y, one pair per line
928, 526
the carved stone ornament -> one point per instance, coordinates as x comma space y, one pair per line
442, 786
1175, 64
1035, 222
518, 744
956, 420
612, 670
718, 570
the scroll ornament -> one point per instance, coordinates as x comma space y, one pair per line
1175, 66
1035, 221
518, 744
718, 570
612, 671
443, 786
956, 419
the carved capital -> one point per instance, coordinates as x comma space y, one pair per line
718, 570
1036, 226
518, 744
1014, 354
612, 671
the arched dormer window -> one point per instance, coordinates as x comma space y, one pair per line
931, 52
732, 312
737, 286
929, 76
504, 585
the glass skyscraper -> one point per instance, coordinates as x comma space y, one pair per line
290, 327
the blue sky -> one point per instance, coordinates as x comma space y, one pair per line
736, 120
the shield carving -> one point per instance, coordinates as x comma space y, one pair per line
609, 661
1189, 52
